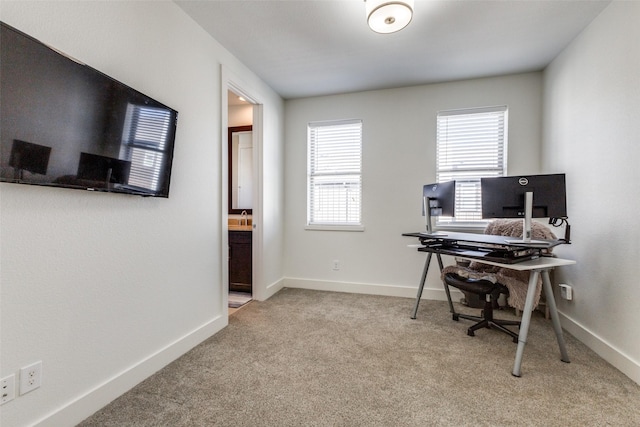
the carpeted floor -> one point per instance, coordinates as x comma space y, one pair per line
308, 358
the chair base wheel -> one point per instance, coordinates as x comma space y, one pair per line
470, 333
455, 317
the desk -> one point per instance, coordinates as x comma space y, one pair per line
538, 267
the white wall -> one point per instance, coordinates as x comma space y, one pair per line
399, 129
591, 111
105, 289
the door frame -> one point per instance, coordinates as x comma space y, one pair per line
232, 82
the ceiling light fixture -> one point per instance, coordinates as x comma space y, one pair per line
388, 16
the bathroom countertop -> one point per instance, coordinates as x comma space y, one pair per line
238, 227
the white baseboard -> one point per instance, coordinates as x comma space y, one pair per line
370, 289
84, 406
272, 289
601, 347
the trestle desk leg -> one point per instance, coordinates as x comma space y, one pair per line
425, 270
551, 303
526, 320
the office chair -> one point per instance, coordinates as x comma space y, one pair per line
487, 291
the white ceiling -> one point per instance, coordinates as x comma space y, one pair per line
307, 48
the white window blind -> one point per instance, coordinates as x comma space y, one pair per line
471, 144
334, 178
146, 132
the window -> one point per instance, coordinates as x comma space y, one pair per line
145, 135
334, 177
471, 144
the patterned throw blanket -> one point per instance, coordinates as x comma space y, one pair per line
516, 281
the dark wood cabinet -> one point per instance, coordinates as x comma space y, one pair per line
240, 261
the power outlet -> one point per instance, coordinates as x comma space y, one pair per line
336, 265
30, 377
7, 389
566, 292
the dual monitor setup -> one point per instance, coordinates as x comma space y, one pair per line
34, 158
524, 197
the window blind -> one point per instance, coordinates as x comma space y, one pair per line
148, 128
334, 191
471, 144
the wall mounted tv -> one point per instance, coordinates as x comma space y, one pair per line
65, 124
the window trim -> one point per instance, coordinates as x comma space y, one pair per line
318, 227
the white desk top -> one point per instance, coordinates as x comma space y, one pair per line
541, 263
486, 238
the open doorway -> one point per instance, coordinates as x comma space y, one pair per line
241, 187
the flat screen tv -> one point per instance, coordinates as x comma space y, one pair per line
65, 124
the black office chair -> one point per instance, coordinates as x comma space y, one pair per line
482, 288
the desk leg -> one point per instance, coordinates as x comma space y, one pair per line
446, 287
425, 270
526, 320
551, 303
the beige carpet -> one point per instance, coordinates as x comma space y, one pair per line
308, 358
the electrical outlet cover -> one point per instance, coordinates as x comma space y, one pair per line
7, 389
30, 377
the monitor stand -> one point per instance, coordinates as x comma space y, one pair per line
427, 219
526, 226
18, 174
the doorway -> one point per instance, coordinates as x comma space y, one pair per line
240, 195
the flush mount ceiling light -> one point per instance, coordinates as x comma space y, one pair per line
388, 16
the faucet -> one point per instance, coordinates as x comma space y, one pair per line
244, 217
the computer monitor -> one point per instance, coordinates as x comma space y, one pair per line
27, 156
103, 169
526, 197
438, 199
